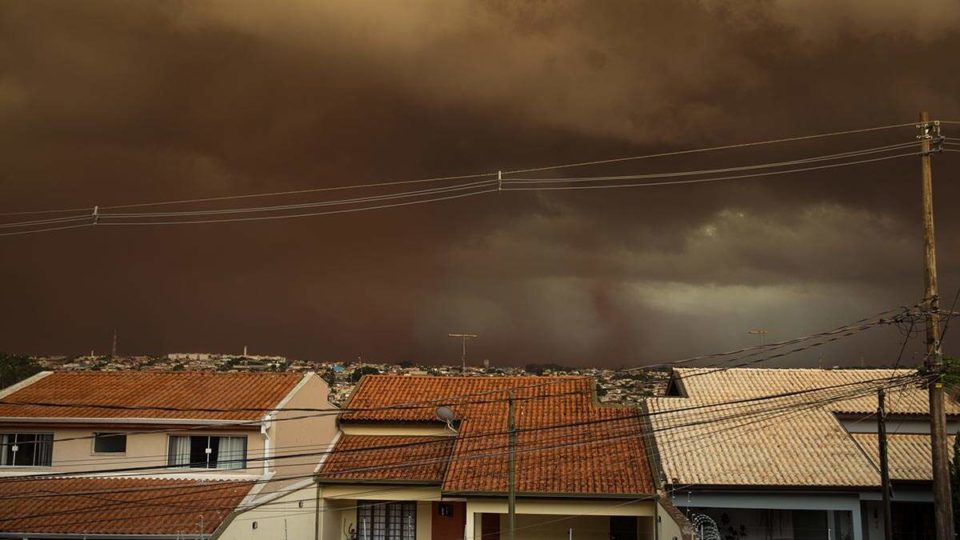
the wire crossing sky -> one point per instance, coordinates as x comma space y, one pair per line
605, 187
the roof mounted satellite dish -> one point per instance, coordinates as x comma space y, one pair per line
446, 414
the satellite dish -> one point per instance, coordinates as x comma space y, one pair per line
446, 414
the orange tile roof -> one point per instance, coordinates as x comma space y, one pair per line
369, 457
129, 390
566, 443
116, 505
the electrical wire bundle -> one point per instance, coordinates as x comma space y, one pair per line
393, 194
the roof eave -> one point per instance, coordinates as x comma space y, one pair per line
145, 536
376, 481
551, 495
94, 420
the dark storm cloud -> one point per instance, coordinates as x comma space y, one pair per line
114, 102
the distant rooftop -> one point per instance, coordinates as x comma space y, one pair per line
148, 395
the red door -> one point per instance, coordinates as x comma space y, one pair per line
449, 520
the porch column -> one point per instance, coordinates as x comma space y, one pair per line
857, 523
472, 528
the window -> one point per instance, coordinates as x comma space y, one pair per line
109, 443
387, 521
26, 449
207, 452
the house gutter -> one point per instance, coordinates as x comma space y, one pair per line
237, 423
81, 536
533, 495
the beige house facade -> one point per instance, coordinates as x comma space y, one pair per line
230, 442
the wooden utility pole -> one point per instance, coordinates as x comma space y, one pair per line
511, 469
884, 470
943, 511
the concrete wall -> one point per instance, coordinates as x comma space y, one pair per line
292, 516
668, 527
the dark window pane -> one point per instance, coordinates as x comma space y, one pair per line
214, 445
26, 449
110, 442
198, 452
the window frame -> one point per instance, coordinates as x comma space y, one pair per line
189, 464
97, 436
384, 517
48, 453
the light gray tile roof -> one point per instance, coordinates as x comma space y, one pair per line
908, 454
793, 440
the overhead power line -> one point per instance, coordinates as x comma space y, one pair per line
694, 180
437, 194
490, 174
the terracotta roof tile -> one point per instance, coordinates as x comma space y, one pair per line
176, 390
367, 457
566, 443
116, 505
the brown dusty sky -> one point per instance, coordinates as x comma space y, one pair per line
122, 102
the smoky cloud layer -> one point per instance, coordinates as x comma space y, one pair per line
117, 102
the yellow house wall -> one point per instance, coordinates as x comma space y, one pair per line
340, 503
533, 516
669, 529
291, 434
73, 450
548, 528
292, 516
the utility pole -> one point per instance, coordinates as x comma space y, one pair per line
463, 348
759, 332
511, 469
943, 511
884, 470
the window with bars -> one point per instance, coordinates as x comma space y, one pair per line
387, 521
26, 449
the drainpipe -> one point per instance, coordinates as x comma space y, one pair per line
318, 516
267, 451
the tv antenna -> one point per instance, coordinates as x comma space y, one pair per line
463, 348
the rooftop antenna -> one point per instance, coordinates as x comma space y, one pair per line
244, 351
463, 345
